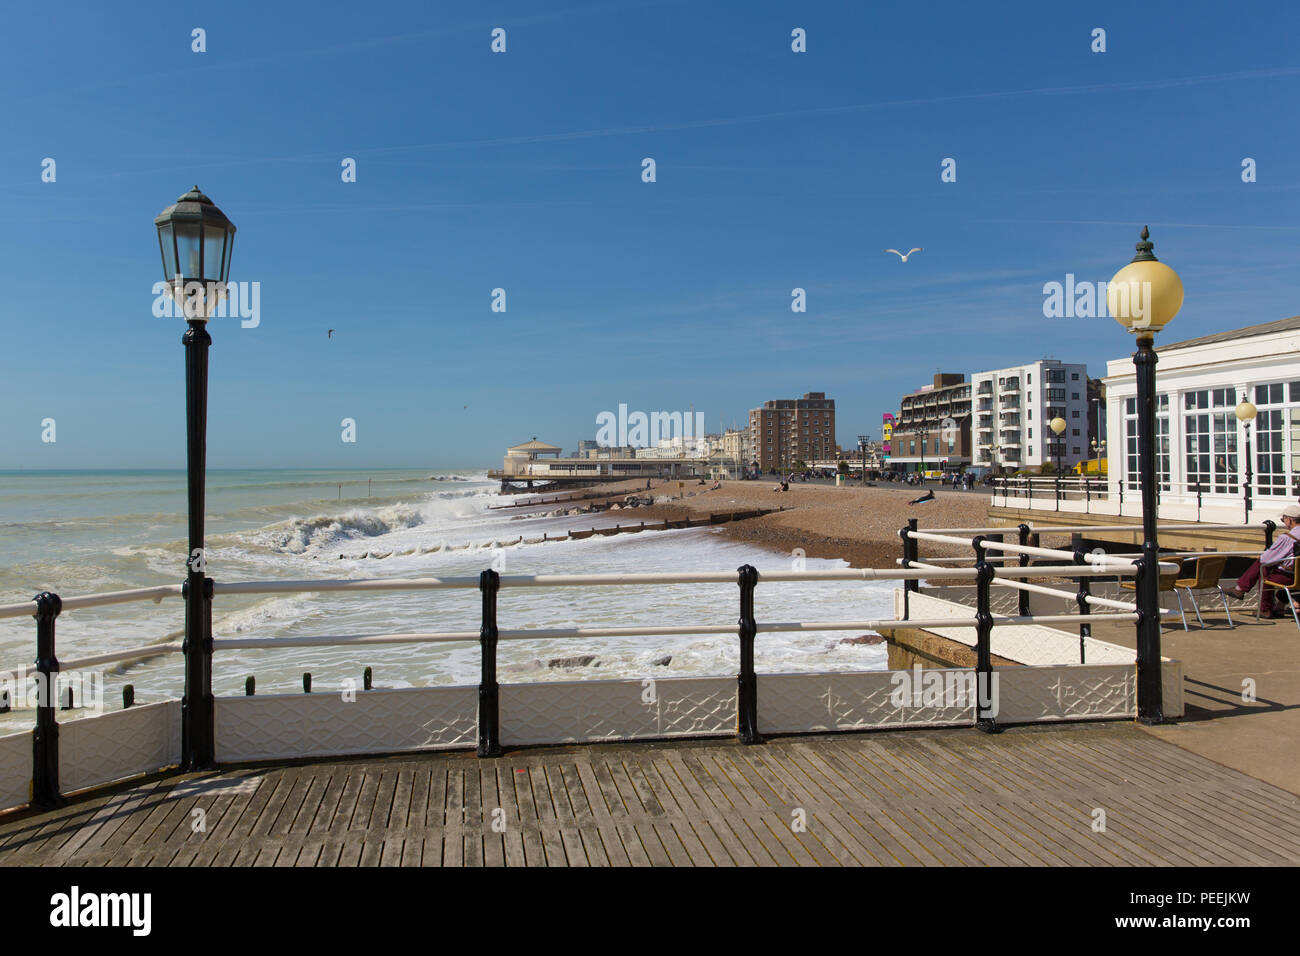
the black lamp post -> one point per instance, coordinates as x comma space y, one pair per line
1143, 297
1246, 414
195, 239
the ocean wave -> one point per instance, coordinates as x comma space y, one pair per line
299, 535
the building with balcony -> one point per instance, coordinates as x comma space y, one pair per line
1014, 408
933, 428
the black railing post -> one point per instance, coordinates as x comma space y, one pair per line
1081, 598
45, 740
489, 697
984, 720
1269, 528
1022, 608
910, 557
1058, 494
747, 680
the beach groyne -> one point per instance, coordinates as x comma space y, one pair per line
668, 524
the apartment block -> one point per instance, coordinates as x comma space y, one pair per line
1014, 408
933, 428
784, 431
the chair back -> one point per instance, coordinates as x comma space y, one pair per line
1208, 571
1167, 578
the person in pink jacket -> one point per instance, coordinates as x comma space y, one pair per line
1278, 560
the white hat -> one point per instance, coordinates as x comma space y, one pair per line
1291, 511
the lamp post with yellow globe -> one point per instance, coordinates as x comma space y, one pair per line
1143, 297
1058, 426
1246, 413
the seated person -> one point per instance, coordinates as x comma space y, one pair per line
1278, 560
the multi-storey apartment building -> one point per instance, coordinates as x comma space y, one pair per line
1014, 408
784, 431
933, 428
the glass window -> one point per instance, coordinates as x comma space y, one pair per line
1131, 470
1210, 440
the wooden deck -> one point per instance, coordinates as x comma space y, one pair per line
914, 798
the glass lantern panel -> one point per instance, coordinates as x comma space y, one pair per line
229, 248
187, 248
214, 240
168, 250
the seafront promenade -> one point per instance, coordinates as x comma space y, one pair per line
1099, 794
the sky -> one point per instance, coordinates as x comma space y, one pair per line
522, 170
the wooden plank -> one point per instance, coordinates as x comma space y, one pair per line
529, 825
602, 819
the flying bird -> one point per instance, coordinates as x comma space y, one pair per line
329, 334
901, 256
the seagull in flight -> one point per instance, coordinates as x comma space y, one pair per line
329, 334
901, 255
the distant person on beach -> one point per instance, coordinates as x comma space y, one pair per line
1279, 560
928, 496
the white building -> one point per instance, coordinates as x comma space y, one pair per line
1200, 441
1012, 411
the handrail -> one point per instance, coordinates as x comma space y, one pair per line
155, 594
110, 657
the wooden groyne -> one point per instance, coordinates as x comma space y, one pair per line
555, 501
714, 517
720, 517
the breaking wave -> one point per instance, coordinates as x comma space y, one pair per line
302, 534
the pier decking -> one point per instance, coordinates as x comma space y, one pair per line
1027, 796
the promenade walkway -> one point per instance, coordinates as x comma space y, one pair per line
1027, 796
1260, 737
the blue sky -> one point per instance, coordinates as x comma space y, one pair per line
522, 171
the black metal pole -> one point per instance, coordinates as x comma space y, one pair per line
1022, 607
198, 743
1249, 475
45, 740
489, 691
1269, 528
747, 680
1149, 690
1081, 598
983, 639
910, 586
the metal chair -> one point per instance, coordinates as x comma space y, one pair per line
1167, 579
1286, 588
1206, 573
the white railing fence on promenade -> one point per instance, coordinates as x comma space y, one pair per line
147, 738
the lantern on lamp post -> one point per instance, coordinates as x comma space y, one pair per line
195, 239
1143, 297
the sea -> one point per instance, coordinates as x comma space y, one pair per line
83, 532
